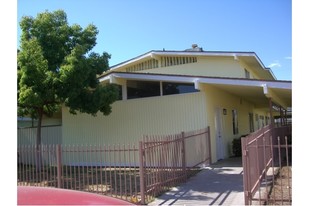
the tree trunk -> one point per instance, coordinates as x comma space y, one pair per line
39, 142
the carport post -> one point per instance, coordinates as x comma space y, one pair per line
271, 112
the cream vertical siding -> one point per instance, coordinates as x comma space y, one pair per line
50, 135
196, 150
131, 119
33, 123
205, 66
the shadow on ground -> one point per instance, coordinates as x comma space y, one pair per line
216, 184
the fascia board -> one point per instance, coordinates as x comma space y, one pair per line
213, 54
136, 59
105, 78
152, 54
204, 53
154, 77
255, 83
206, 80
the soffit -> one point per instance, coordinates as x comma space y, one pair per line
257, 66
255, 94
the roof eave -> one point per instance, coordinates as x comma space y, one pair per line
201, 79
154, 53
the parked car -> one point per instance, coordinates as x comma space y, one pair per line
29, 195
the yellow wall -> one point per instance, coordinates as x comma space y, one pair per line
218, 98
253, 75
55, 120
34, 123
258, 124
131, 119
50, 135
205, 66
162, 115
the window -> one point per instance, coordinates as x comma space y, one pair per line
251, 123
267, 120
235, 121
262, 120
177, 88
140, 89
247, 74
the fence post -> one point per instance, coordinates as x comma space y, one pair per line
59, 165
245, 170
209, 144
183, 151
142, 171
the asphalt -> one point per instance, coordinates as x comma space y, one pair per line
220, 183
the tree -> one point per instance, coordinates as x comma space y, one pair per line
56, 67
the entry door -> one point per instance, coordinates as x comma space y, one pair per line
219, 138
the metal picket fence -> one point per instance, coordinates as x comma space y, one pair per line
267, 163
135, 173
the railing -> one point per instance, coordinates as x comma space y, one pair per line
266, 157
133, 173
169, 160
107, 170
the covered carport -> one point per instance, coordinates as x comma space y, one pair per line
272, 96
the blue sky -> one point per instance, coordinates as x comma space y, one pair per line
128, 28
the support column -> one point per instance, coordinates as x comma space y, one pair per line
271, 112
285, 117
124, 91
281, 116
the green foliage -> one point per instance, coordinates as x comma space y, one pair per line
56, 66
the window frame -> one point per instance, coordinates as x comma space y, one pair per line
235, 121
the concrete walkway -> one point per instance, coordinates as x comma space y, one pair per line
218, 184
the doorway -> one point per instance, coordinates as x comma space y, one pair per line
219, 136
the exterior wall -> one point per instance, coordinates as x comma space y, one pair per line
46, 121
258, 122
205, 66
218, 98
50, 135
253, 75
131, 119
162, 115
34, 123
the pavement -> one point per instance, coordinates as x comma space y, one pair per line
220, 183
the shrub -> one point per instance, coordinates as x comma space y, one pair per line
236, 144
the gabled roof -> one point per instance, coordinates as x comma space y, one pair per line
249, 58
